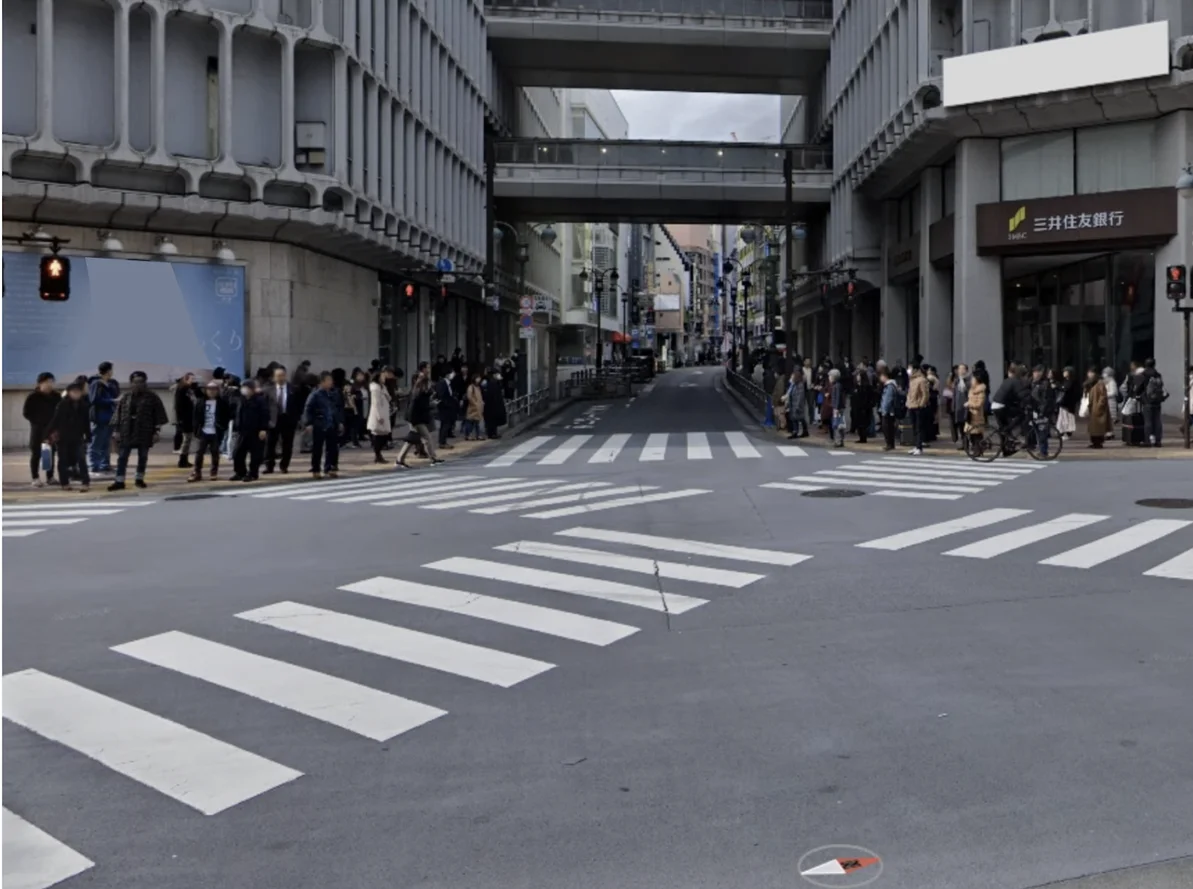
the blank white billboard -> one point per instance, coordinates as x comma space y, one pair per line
1063, 64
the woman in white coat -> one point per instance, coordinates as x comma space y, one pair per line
378, 422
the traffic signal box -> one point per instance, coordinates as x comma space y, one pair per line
55, 278
409, 297
1178, 287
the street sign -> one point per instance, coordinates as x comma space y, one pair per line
649, 330
634, 342
527, 321
634, 332
493, 301
447, 278
542, 304
527, 304
525, 333
444, 266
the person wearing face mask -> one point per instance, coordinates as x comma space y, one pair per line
252, 429
139, 416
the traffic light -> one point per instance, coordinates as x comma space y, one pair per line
1177, 285
55, 278
409, 297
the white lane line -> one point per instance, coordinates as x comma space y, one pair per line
389, 485
35, 860
655, 449
491, 486
195, 769
502, 498
635, 564
791, 486
792, 451
624, 593
357, 708
20, 532
435, 486
517, 452
740, 443
972, 522
399, 644
688, 547
836, 453
900, 476
916, 495
564, 450
846, 479
566, 498
608, 452
20, 513
1011, 540
387, 482
1117, 544
549, 621
963, 465
79, 504
616, 504
39, 522
698, 448
922, 469
1177, 568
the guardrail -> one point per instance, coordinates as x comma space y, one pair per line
770, 13
749, 390
520, 409
620, 154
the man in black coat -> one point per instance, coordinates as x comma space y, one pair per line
40, 406
448, 406
70, 430
285, 410
140, 414
252, 429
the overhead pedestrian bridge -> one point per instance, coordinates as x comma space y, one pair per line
731, 46
588, 180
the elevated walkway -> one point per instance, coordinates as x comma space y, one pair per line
732, 46
573, 180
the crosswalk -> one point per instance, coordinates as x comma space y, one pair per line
588, 569
27, 520
1114, 539
534, 498
655, 447
916, 478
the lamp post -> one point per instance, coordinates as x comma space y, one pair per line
739, 339
1183, 304
599, 277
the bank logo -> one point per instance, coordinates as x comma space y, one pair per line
840, 867
1017, 220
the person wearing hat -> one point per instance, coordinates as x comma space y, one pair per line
210, 421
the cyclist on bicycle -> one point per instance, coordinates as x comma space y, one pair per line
1007, 405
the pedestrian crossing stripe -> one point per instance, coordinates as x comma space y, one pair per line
910, 477
25, 520
633, 564
1104, 548
657, 447
35, 860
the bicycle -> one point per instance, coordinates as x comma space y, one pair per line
992, 442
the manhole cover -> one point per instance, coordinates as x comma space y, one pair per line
1166, 503
192, 497
834, 492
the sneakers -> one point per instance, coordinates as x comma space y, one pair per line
195, 477
316, 475
116, 486
915, 452
140, 483
38, 483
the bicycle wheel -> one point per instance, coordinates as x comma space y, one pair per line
1056, 444
986, 446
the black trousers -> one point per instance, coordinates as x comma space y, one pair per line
1153, 424
37, 435
246, 458
890, 426
328, 439
447, 421
207, 444
72, 456
280, 435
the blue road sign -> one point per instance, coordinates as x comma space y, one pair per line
444, 265
527, 321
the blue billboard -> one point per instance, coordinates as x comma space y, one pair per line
165, 318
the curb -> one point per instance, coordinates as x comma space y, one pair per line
536, 421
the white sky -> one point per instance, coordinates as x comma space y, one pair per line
700, 116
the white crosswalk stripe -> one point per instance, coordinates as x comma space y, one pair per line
913, 478
186, 765
518, 451
25, 520
565, 450
688, 547
654, 447
608, 452
1035, 534
741, 445
698, 447
637, 565
601, 506
35, 860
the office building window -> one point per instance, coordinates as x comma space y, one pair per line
1039, 166
1117, 157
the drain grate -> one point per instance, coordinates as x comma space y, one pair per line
835, 493
192, 497
1166, 503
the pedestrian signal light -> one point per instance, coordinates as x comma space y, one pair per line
1177, 285
55, 278
409, 297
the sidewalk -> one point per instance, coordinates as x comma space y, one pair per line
165, 479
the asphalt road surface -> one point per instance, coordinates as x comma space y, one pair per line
492, 677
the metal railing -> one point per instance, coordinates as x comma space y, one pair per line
520, 409
766, 13
748, 389
727, 156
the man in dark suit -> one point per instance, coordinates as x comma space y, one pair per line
285, 407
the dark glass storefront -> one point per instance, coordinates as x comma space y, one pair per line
1093, 311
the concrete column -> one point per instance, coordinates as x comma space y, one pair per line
317, 23
225, 62
936, 290
120, 80
45, 69
977, 280
287, 102
1174, 149
892, 331
372, 155
157, 65
340, 105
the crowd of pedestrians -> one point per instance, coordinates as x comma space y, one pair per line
259, 422
913, 403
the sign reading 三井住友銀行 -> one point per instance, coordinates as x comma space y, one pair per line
1140, 216
164, 318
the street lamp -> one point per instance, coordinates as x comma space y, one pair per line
600, 276
739, 338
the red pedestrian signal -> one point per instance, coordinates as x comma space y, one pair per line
409, 297
55, 278
1178, 286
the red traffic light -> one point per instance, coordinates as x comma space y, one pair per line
1176, 273
408, 290
54, 278
1177, 286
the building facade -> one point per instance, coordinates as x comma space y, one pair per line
1024, 226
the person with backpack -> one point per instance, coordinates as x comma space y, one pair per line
1152, 396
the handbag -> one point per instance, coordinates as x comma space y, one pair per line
47, 457
1131, 406
1083, 408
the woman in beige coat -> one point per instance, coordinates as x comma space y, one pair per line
474, 413
1101, 421
377, 423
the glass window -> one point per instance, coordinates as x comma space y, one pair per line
1039, 166
1117, 157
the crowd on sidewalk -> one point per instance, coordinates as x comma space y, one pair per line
914, 401
259, 422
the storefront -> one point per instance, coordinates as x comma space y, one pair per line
1079, 275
